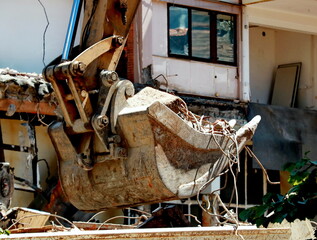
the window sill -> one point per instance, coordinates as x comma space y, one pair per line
196, 61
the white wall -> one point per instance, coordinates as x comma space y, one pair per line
197, 77
292, 37
262, 63
186, 76
294, 47
22, 23
281, 47
147, 32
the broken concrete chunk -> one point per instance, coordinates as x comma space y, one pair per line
11, 110
24, 218
23, 86
25, 92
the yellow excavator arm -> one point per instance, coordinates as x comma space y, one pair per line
106, 25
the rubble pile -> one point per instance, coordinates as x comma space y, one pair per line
24, 86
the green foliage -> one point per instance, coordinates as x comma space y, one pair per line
299, 203
6, 231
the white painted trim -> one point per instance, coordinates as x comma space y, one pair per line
214, 6
245, 78
196, 61
147, 28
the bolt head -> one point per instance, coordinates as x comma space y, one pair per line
109, 77
103, 121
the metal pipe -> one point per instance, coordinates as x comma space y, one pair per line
72, 28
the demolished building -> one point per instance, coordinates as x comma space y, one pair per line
216, 86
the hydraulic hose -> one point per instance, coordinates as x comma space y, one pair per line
72, 28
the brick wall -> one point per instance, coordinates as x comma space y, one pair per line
130, 54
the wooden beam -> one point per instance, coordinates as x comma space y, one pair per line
28, 107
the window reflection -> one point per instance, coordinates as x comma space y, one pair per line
200, 34
178, 30
225, 38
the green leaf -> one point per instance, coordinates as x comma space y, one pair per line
302, 202
289, 166
301, 163
313, 162
293, 189
280, 197
278, 218
262, 221
299, 202
279, 208
260, 210
297, 177
247, 214
268, 198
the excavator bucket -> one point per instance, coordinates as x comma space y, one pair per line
167, 157
120, 150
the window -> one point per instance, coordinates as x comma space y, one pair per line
201, 35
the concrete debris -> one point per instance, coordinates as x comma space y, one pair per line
6, 187
214, 109
301, 229
31, 224
24, 86
19, 217
169, 216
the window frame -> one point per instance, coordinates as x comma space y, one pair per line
213, 36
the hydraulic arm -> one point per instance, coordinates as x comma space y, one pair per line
92, 72
118, 149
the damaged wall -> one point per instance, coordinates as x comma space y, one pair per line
25, 92
270, 48
15, 132
282, 33
288, 133
22, 24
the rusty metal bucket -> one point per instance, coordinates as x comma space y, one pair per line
166, 158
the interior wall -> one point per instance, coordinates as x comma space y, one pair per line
15, 132
292, 47
262, 63
272, 47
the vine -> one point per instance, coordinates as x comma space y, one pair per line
298, 203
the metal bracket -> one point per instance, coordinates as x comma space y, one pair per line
116, 93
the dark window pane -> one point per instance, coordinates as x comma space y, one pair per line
178, 28
225, 38
200, 34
